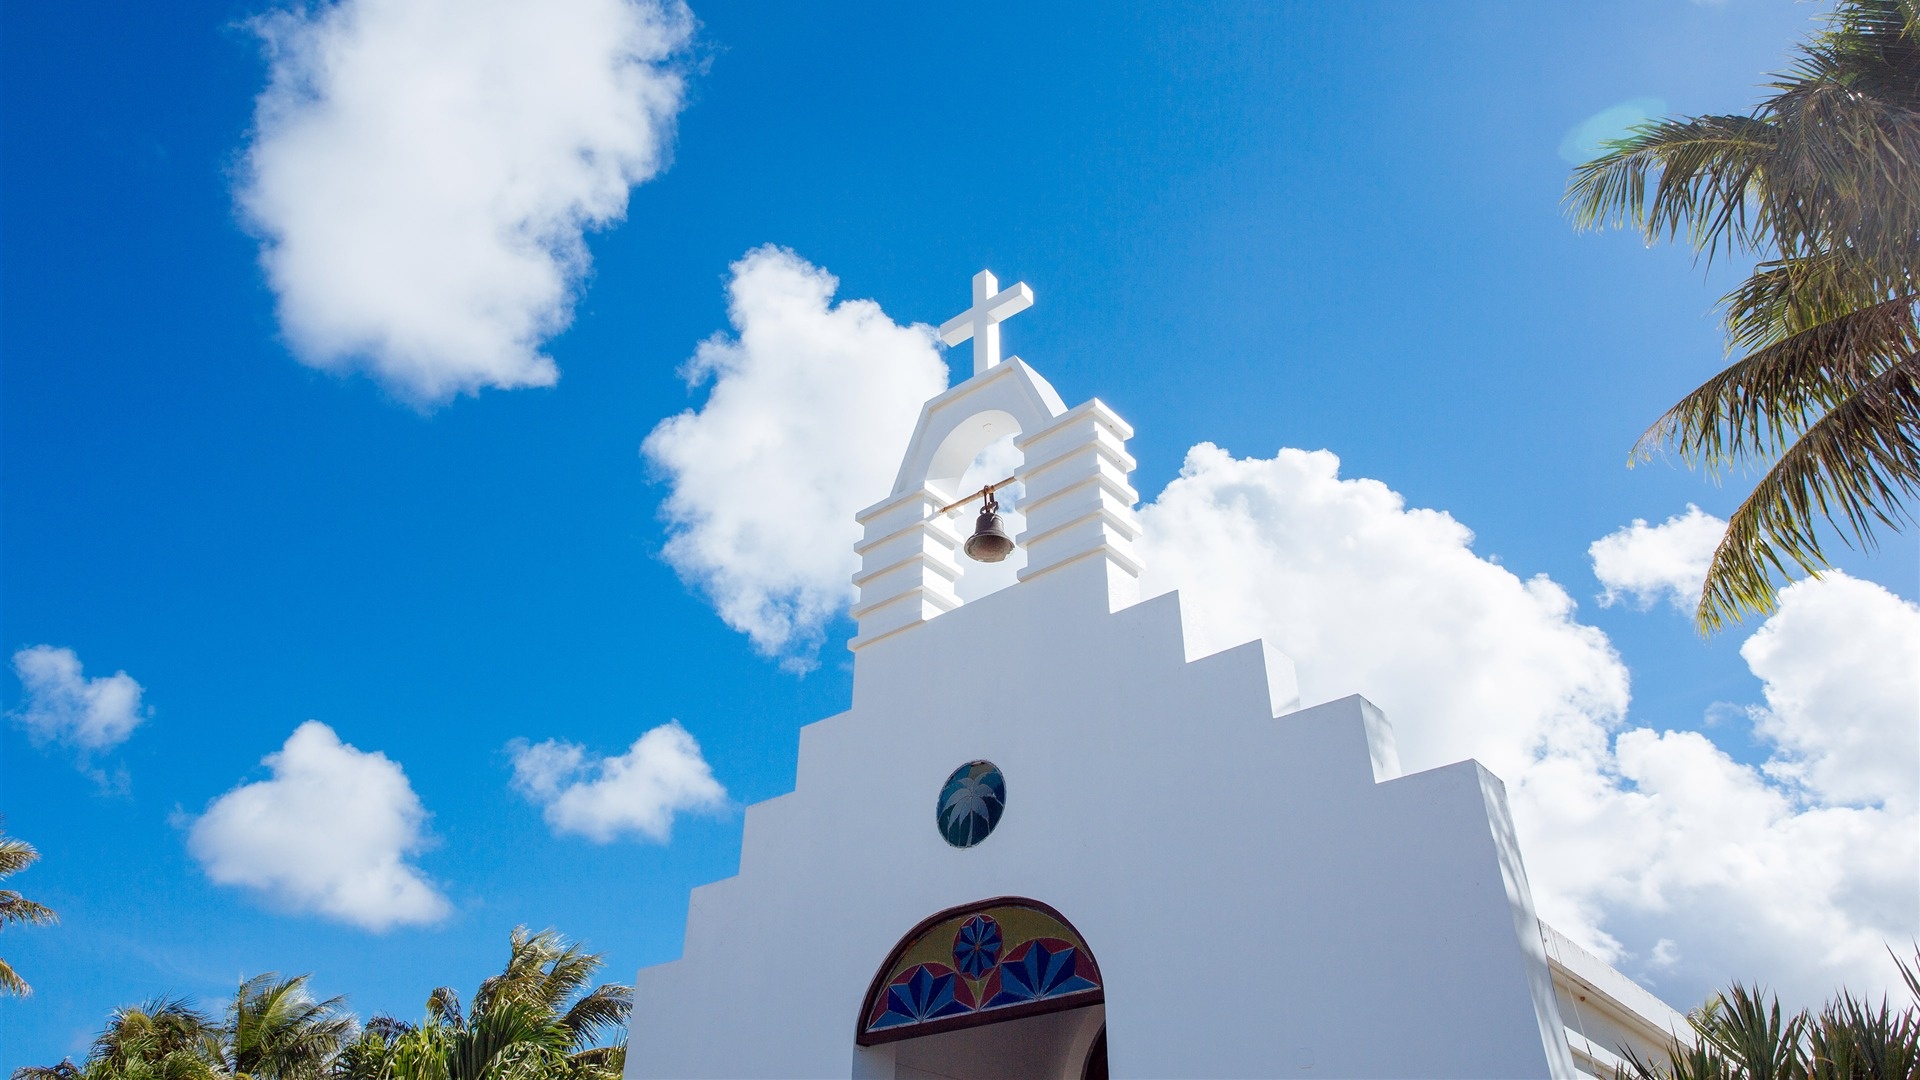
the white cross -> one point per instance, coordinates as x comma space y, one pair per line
981, 322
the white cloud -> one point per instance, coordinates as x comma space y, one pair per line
1840, 661
329, 832
1745, 878
64, 707
422, 171
637, 792
809, 413
1370, 597
1647, 562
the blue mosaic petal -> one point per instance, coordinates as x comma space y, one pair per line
1041, 973
923, 995
976, 948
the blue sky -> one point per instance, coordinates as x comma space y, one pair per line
1260, 226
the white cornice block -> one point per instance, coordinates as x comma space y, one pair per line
1072, 469
1096, 535
1099, 494
932, 542
889, 617
908, 575
897, 512
1088, 426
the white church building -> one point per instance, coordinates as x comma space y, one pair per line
1049, 840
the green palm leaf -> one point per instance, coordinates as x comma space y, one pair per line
16, 855
1760, 405
1857, 463
605, 1009
277, 1031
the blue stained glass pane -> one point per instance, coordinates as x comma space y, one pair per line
971, 803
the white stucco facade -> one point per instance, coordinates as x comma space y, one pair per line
1264, 892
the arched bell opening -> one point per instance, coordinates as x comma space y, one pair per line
1002, 987
911, 566
981, 451
964, 446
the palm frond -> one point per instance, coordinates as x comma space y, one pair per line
501, 1038
277, 1031
66, 1070
598, 1063
15, 855
443, 1006
606, 1008
543, 968
16, 908
164, 1036
1842, 174
1672, 177
1761, 404
1857, 463
12, 983
1697, 1062
1786, 297
388, 1027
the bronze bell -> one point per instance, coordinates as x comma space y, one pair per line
989, 542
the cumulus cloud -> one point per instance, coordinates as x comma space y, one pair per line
638, 792
421, 174
809, 412
1840, 662
1646, 562
329, 832
1371, 597
63, 707
1655, 848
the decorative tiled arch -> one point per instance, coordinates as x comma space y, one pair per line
979, 963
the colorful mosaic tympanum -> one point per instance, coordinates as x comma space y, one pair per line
996, 960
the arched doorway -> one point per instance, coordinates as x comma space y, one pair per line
997, 988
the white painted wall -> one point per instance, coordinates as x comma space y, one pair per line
1254, 897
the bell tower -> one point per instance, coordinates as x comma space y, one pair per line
1078, 500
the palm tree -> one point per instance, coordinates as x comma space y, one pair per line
540, 1018
536, 1019
16, 855
276, 1031
163, 1039
1821, 179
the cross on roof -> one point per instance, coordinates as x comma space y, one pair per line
981, 322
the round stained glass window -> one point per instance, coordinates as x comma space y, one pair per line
970, 803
